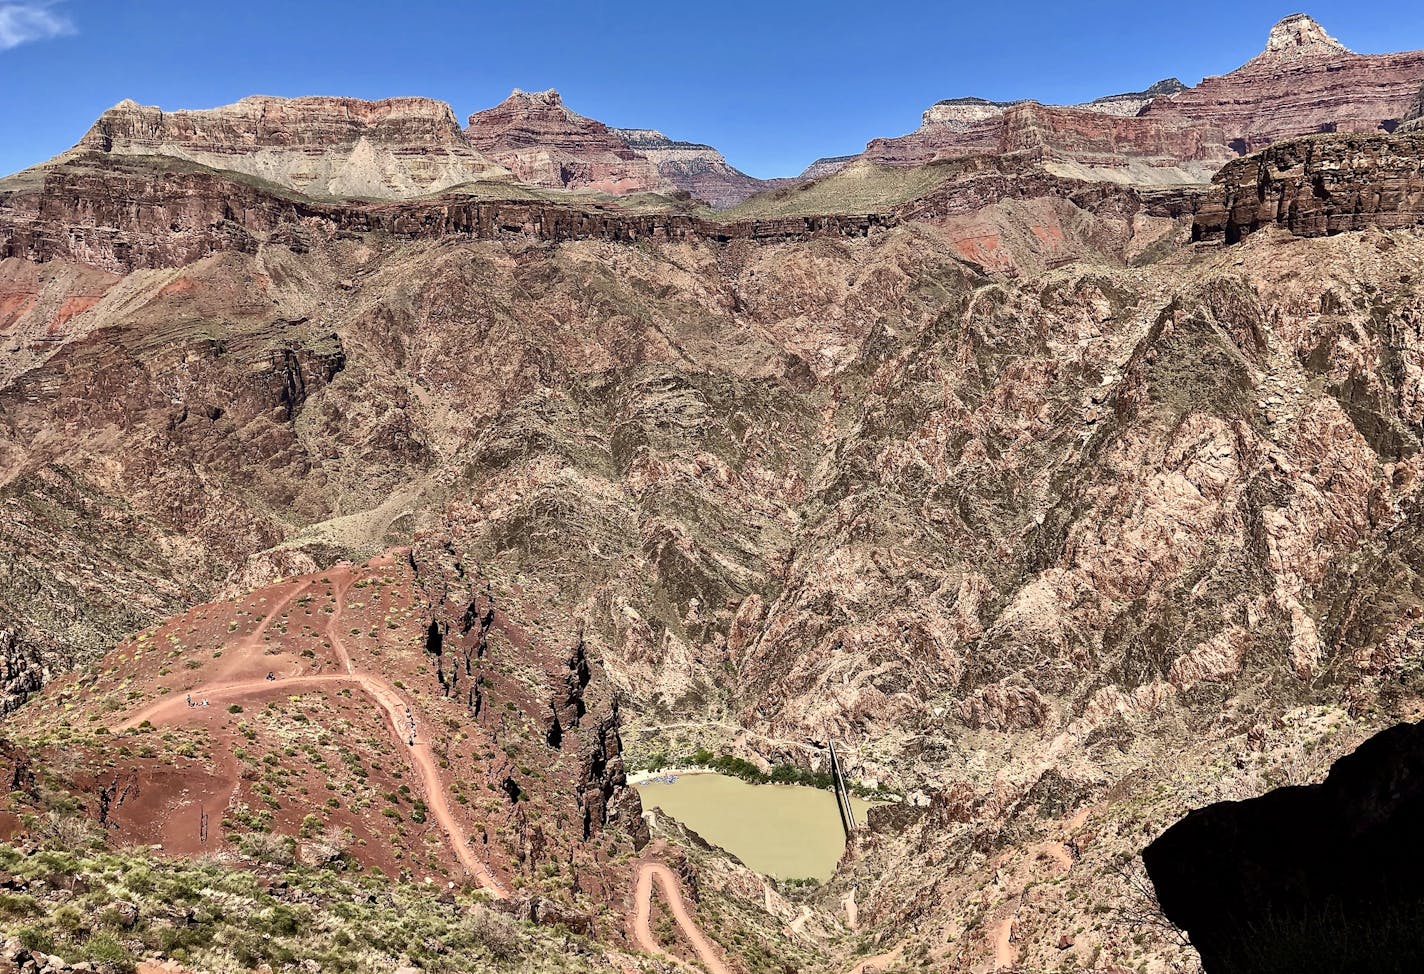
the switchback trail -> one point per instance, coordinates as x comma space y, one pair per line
173, 708
672, 893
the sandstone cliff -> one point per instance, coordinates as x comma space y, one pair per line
1317, 186
1305, 82
544, 143
325, 147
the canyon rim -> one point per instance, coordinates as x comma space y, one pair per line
379, 494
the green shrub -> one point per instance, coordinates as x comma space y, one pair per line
107, 952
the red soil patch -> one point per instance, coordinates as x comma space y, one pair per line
181, 285
13, 306
70, 308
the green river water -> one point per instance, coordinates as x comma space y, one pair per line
784, 831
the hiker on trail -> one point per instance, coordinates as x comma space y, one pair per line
190, 700
271, 675
205, 701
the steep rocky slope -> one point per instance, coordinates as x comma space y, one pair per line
1326, 184
697, 169
1058, 522
1304, 82
1024, 543
1130, 149
546, 144
402, 148
1233, 874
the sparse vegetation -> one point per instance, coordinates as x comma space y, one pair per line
209, 916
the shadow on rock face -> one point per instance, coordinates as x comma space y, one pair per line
1327, 877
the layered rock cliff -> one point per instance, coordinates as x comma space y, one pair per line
694, 168
1070, 140
325, 147
1305, 82
544, 143
1413, 120
1317, 186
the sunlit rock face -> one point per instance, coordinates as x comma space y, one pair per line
336, 147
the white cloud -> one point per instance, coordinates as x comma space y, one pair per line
23, 21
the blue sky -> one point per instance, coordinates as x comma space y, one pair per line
774, 85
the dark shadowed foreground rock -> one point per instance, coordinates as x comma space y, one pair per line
1326, 877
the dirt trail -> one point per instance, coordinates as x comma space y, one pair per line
1006, 955
399, 714
251, 647
405, 728
672, 893
873, 965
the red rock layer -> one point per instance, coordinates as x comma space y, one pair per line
1304, 83
1077, 135
545, 144
391, 149
697, 169
1317, 186
122, 217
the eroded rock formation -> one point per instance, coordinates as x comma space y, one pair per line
1305, 82
545, 143
1317, 186
324, 147
694, 168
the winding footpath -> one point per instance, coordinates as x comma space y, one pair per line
232, 688
171, 709
648, 873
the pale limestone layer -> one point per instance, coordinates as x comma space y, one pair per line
398, 148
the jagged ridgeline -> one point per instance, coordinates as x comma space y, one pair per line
378, 494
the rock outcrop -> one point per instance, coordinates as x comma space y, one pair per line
826, 166
1132, 102
324, 147
126, 216
694, 168
1320, 878
1072, 140
544, 143
1304, 82
547, 144
122, 215
1318, 186
1413, 120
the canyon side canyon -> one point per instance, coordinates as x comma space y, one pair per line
377, 494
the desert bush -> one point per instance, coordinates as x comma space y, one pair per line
72, 832
495, 933
110, 955
328, 847
267, 847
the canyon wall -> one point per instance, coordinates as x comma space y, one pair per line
1317, 186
